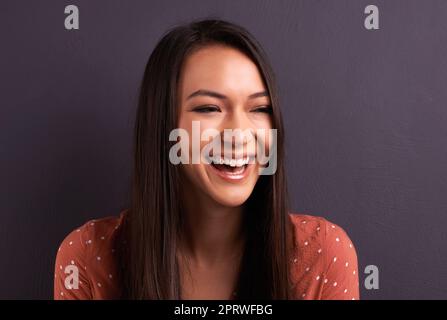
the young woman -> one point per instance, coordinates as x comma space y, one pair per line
217, 230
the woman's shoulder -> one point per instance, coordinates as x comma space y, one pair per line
306, 222
310, 227
90, 250
93, 233
325, 259
317, 233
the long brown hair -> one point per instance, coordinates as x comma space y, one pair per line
150, 269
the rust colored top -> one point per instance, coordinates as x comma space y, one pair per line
323, 263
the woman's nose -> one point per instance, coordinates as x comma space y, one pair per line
237, 119
239, 130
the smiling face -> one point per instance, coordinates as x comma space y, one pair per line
221, 88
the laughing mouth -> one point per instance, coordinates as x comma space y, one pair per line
231, 166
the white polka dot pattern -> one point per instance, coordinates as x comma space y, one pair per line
90, 249
323, 264
327, 261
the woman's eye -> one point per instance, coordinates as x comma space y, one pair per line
206, 109
263, 109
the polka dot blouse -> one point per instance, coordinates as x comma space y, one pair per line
323, 266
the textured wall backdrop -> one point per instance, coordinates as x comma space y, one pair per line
365, 116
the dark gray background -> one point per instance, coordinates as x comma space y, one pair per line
364, 110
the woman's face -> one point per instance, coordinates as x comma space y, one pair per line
221, 88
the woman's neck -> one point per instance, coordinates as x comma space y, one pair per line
212, 233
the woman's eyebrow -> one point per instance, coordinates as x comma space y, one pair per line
217, 95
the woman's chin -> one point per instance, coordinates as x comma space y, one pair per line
231, 192
231, 195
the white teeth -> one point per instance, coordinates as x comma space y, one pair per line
231, 162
